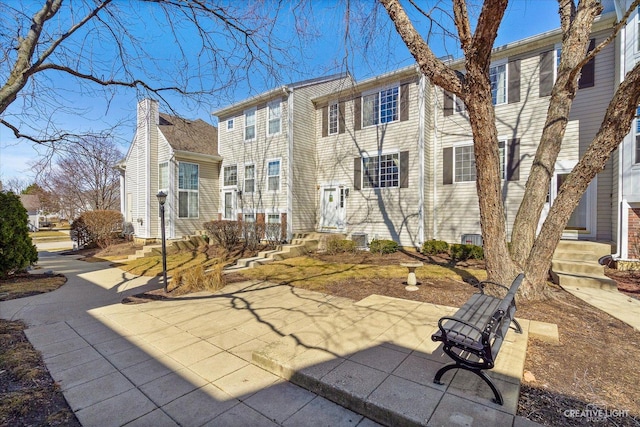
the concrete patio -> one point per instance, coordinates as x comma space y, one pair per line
225, 358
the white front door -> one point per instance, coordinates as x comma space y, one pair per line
229, 200
583, 219
333, 213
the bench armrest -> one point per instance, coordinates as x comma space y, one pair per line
489, 282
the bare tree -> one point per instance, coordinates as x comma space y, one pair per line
16, 185
198, 50
82, 177
529, 253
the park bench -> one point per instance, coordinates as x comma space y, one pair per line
472, 337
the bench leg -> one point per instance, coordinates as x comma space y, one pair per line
497, 395
518, 328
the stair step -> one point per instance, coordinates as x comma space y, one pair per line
598, 282
599, 249
588, 268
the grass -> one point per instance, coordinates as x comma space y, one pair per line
49, 236
152, 265
24, 285
315, 274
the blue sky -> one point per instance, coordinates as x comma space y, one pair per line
324, 55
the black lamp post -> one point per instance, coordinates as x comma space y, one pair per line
162, 198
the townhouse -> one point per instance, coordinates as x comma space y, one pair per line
391, 157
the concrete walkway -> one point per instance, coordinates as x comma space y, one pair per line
616, 304
220, 359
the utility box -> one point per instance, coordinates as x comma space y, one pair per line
360, 239
472, 239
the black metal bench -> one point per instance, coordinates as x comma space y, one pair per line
472, 337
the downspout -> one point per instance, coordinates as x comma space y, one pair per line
289, 92
421, 153
173, 196
620, 251
436, 151
147, 165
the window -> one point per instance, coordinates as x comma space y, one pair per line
163, 176
558, 53
250, 124
188, 190
230, 175
380, 107
638, 29
273, 218
273, 175
249, 217
637, 159
498, 78
273, 118
230, 124
381, 171
465, 162
249, 178
333, 118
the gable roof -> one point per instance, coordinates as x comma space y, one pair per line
31, 202
195, 136
282, 90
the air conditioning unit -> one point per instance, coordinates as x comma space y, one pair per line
472, 239
360, 239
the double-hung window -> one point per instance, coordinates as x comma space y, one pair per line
250, 124
188, 190
498, 78
230, 175
163, 177
230, 124
274, 116
333, 118
637, 137
380, 107
249, 178
381, 171
465, 162
273, 175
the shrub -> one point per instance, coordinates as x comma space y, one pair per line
435, 247
337, 245
383, 246
272, 234
252, 233
100, 227
196, 279
17, 251
460, 252
224, 233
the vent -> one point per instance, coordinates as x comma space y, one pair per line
472, 239
360, 239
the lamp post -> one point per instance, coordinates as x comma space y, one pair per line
162, 198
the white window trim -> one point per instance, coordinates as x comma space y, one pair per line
337, 105
556, 48
270, 105
230, 124
244, 178
378, 90
160, 188
635, 162
366, 155
224, 185
255, 122
506, 78
279, 160
636, 47
503, 177
189, 191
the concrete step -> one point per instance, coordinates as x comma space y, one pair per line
575, 255
587, 268
596, 281
599, 249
